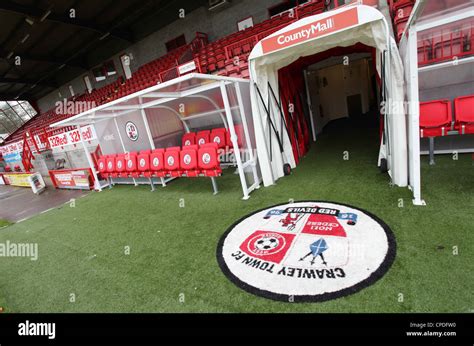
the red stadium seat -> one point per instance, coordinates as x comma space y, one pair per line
119, 166
202, 137
239, 131
102, 166
132, 169
188, 139
172, 163
209, 161
218, 136
143, 161
188, 162
110, 165
157, 165
435, 118
464, 112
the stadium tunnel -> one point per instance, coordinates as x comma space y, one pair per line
284, 87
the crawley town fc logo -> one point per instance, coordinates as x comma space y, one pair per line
132, 131
306, 251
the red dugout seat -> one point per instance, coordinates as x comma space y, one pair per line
172, 162
110, 165
189, 162
188, 139
208, 160
218, 136
435, 118
464, 112
143, 161
102, 166
131, 160
157, 165
202, 137
119, 167
239, 131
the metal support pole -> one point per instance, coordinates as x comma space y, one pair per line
233, 138
152, 185
432, 159
214, 185
243, 115
147, 127
414, 117
89, 160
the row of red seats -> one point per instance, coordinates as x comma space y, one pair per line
436, 117
218, 57
444, 43
401, 11
191, 161
219, 136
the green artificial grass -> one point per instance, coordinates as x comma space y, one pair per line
4, 223
172, 264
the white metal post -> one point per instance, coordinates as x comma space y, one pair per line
243, 115
414, 116
145, 121
233, 138
123, 144
89, 160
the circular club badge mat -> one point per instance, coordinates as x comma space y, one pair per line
306, 251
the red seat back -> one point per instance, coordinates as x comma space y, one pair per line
202, 137
188, 159
219, 136
435, 113
172, 160
120, 164
239, 131
173, 149
111, 163
131, 160
464, 109
207, 157
156, 160
188, 139
102, 163
143, 161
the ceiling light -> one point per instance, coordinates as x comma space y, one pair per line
27, 36
29, 21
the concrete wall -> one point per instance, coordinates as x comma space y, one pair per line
215, 24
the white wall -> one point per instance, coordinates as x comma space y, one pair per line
342, 81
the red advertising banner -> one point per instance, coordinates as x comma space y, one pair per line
312, 30
72, 179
